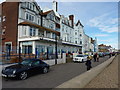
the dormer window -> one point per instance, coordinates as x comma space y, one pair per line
51, 26
51, 17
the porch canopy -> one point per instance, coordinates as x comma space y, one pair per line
40, 27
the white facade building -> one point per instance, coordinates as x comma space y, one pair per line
38, 28
79, 34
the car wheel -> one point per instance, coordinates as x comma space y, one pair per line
45, 70
23, 75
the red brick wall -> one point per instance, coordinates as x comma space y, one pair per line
10, 10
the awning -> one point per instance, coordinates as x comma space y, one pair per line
40, 27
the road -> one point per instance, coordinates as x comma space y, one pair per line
57, 75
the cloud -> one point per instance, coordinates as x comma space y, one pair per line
105, 23
105, 41
78, 0
101, 35
110, 29
112, 41
114, 45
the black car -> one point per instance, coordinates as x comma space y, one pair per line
26, 68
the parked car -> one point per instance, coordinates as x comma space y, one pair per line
25, 69
101, 54
80, 58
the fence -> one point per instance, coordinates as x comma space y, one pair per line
15, 55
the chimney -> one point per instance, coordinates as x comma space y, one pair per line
71, 17
55, 6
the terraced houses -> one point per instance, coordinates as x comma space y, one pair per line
26, 25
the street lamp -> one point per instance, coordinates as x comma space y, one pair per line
56, 56
36, 52
19, 52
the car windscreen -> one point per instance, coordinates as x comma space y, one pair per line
26, 62
79, 56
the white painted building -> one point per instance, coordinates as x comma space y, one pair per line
67, 34
79, 34
38, 28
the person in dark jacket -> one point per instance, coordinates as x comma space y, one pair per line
88, 64
109, 55
95, 57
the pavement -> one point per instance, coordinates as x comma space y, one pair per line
58, 74
107, 78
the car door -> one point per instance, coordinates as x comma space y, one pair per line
85, 58
37, 66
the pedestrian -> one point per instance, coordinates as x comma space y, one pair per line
97, 57
88, 64
109, 55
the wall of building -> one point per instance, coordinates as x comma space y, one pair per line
72, 35
10, 19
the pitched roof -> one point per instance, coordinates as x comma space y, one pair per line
45, 13
79, 23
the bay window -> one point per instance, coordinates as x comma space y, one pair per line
30, 17
32, 31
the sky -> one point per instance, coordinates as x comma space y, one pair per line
100, 19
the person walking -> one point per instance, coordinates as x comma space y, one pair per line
109, 55
97, 57
88, 64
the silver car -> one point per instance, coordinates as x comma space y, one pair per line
80, 58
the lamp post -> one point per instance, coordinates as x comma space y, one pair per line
36, 52
19, 52
55, 49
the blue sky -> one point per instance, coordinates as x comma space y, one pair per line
100, 19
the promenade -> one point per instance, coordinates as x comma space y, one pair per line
108, 78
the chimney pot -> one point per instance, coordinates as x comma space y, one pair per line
71, 17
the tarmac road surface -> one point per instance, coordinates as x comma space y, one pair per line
57, 75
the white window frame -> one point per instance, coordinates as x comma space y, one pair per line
32, 28
3, 32
4, 18
24, 32
8, 43
0, 19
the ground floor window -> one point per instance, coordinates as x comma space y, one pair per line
8, 47
27, 49
50, 49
